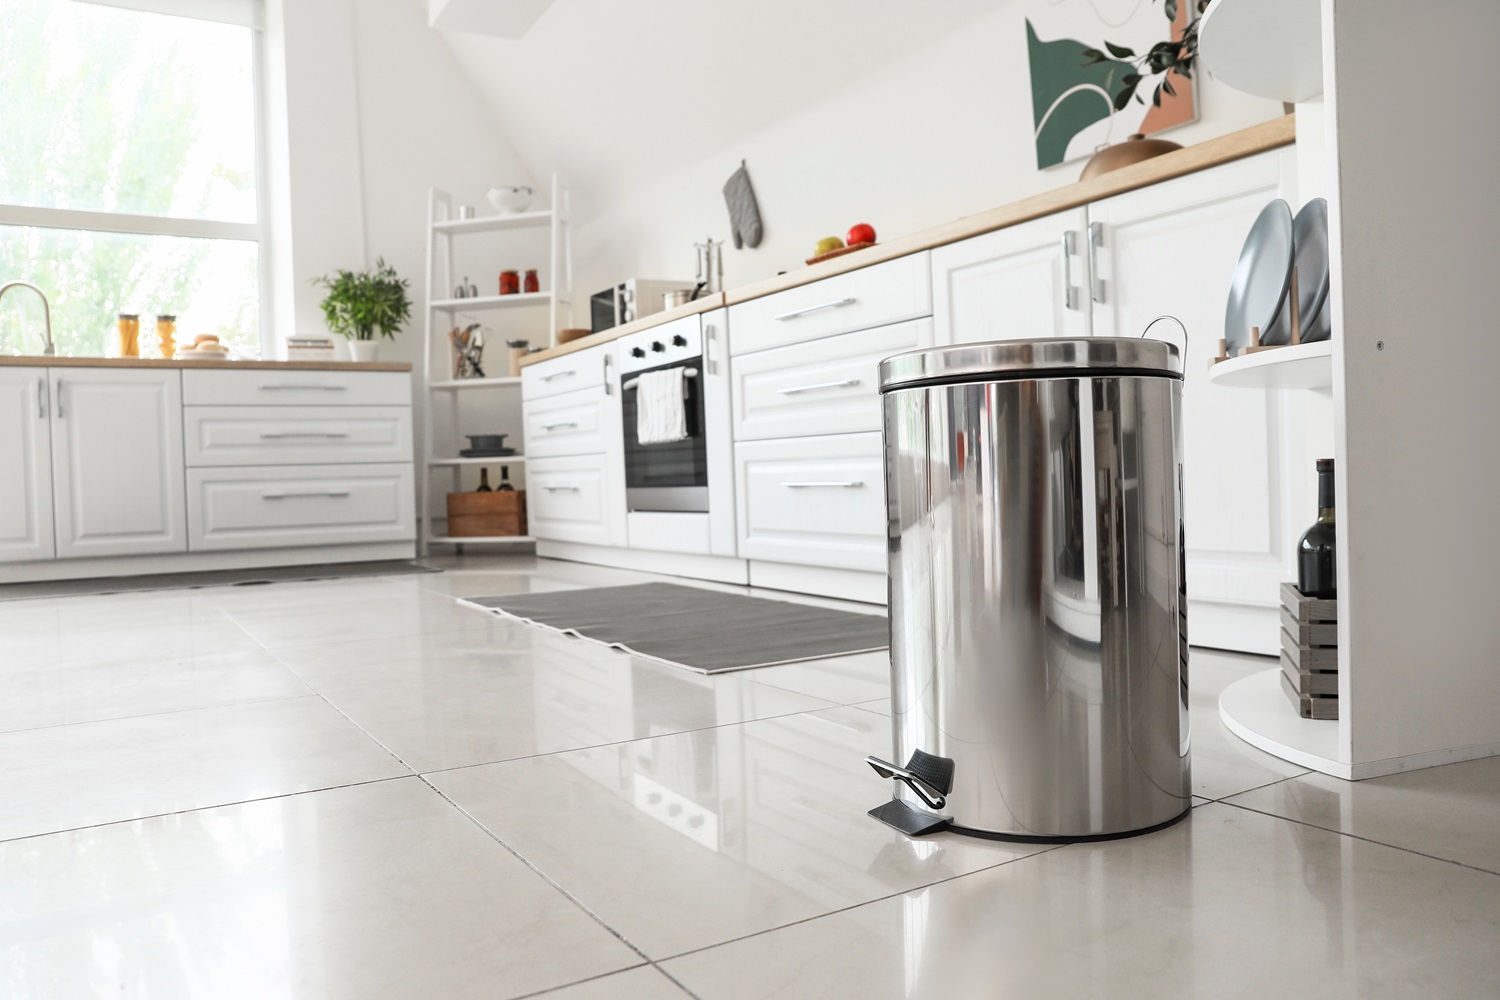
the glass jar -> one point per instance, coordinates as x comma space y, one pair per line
129, 325
510, 282
531, 284
166, 332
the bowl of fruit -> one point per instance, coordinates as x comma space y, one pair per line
860, 235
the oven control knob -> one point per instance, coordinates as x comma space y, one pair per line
636, 352
679, 341
658, 346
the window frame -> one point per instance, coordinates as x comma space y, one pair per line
243, 13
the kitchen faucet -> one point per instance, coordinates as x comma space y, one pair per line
47, 348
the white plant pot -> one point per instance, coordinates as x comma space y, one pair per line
364, 350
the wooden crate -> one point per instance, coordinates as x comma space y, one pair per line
475, 515
1310, 706
1311, 682
1309, 633
1308, 609
1309, 657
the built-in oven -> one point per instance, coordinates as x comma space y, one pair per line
669, 476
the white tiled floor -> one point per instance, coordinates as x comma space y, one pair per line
358, 789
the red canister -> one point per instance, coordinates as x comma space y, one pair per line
510, 282
532, 285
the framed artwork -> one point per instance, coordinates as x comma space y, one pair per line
1084, 54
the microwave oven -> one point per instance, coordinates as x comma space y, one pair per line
629, 301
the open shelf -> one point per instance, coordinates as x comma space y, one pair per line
475, 383
1296, 366
493, 301
495, 223
491, 460
1257, 711
480, 539
1269, 48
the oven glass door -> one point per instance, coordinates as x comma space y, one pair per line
671, 476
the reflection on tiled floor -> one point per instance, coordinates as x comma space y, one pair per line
358, 789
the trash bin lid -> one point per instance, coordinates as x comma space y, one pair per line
1005, 360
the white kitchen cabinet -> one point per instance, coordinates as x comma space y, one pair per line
25, 466
570, 423
578, 498
293, 505
1247, 476
294, 387
815, 501
296, 435
1030, 280
117, 461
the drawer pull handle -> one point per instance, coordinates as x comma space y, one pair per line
278, 435
41, 398
846, 484
561, 489
818, 385
836, 304
565, 374
293, 385
556, 427
304, 493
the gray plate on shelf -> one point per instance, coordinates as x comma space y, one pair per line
1258, 293
1310, 237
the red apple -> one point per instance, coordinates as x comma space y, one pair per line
861, 233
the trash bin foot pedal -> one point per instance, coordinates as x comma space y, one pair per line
929, 775
912, 822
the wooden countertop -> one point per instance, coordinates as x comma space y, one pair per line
41, 361
1226, 148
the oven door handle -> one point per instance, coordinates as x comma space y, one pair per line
631, 383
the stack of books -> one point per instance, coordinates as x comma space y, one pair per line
309, 349
1310, 653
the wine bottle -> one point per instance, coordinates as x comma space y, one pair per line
484, 482
505, 479
1317, 566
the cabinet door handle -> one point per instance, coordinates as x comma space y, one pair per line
818, 385
836, 304
277, 435
554, 427
609, 390
304, 493
549, 378
58, 405
1096, 280
285, 385
708, 354
41, 398
1069, 248
846, 484
561, 489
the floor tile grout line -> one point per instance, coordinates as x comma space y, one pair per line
579, 982
540, 874
1355, 836
1047, 849
206, 808
1256, 788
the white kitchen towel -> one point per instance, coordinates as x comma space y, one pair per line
660, 416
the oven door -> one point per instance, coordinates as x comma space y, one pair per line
671, 476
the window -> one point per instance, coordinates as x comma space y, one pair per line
128, 171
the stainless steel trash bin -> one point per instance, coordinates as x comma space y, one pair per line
1037, 595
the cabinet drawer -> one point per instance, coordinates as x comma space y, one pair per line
897, 290
579, 370
567, 499
569, 424
296, 435
818, 501
829, 386
299, 387
265, 508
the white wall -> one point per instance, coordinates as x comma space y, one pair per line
376, 112
940, 133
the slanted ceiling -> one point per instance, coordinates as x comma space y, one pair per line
614, 95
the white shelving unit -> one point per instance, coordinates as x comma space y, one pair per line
445, 312
1296, 366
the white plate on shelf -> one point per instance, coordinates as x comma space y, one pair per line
1258, 293
1310, 237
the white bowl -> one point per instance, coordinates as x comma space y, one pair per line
510, 199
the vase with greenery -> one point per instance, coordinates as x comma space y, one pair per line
360, 305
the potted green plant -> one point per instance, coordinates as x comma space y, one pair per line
359, 305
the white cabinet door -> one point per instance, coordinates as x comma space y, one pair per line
117, 461
1172, 248
25, 466
1030, 280
575, 499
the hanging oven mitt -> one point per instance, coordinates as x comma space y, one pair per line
744, 213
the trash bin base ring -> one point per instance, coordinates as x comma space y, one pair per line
915, 823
